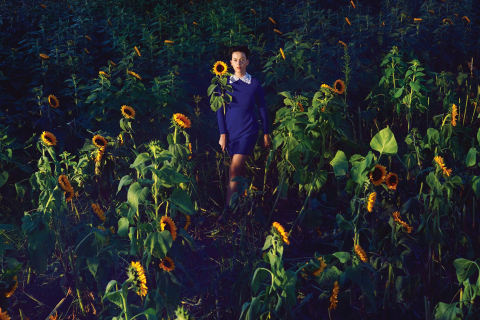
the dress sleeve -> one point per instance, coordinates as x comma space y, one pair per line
260, 100
220, 116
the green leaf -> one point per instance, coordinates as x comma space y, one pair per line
342, 256
6, 227
398, 93
465, 268
342, 223
158, 243
210, 89
3, 178
92, 263
415, 85
259, 275
141, 158
187, 237
445, 311
384, 142
125, 181
478, 137
340, 164
182, 200
136, 195
20, 190
123, 225
471, 159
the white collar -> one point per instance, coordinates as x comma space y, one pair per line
246, 78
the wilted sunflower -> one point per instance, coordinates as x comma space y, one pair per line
138, 51
190, 149
102, 73
10, 293
138, 274
447, 21
396, 218
64, 182
169, 41
454, 114
333, 298
134, 75
112, 63
253, 11
323, 265
167, 264
128, 112
466, 19
343, 44
100, 153
271, 19
189, 221
281, 231
98, 211
48, 139
53, 101
392, 181
339, 87
88, 38
300, 106
220, 68
277, 31
361, 253
353, 4
439, 161
372, 197
44, 56
378, 174
99, 141
283, 54
195, 23
167, 224
348, 21
182, 120
69, 194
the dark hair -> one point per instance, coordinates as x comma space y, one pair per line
243, 49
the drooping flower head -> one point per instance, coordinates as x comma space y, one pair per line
392, 181
278, 228
90, 39
133, 74
277, 31
98, 211
372, 197
334, 296
138, 51
439, 161
447, 21
378, 175
253, 11
271, 19
322, 264
12, 289
102, 73
220, 68
53, 101
167, 264
168, 41
454, 115
339, 87
181, 120
282, 53
343, 44
137, 273
396, 218
120, 140
44, 56
348, 21
466, 20
48, 139
99, 141
64, 182
353, 4
167, 224
361, 253
128, 112
189, 221
69, 194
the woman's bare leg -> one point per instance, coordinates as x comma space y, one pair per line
237, 168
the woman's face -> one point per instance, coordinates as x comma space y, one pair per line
239, 62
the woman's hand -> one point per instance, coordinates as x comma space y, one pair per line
222, 142
267, 141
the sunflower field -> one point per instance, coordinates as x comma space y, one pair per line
112, 178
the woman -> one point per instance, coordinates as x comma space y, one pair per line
238, 126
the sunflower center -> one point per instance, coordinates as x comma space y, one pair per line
48, 139
167, 264
167, 227
99, 142
338, 86
377, 174
220, 68
393, 180
128, 112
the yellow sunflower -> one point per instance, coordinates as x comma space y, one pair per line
282, 53
120, 140
190, 149
195, 23
64, 182
187, 224
326, 86
339, 87
353, 4
112, 230
102, 73
53, 317
167, 264
43, 6
48, 139
253, 11
348, 21
466, 19
133, 74
12, 290
167, 224
454, 114
88, 38
343, 44
334, 297
169, 41
220, 68
396, 218
417, 20
138, 274
99, 141
392, 181
271, 19
69, 194
100, 153
108, 20
128, 112
86, 50
277, 31
361, 253
378, 174
372, 197
53, 101
182, 120
439, 161
447, 21
323, 265
281, 231
99, 212
138, 51
44, 56
112, 63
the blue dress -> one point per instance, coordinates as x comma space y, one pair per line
239, 122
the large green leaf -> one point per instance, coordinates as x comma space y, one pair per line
471, 159
259, 275
465, 268
384, 142
445, 311
361, 276
123, 225
125, 181
3, 178
340, 164
92, 263
182, 200
141, 158
158, 243
136, 195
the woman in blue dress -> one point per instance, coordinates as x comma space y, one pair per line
239, 127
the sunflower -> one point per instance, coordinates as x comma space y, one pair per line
96, 208
277, 31
447, 21
53, 317
372, 197
396, 218
86, 50
99, 141
454, 114
69, 194
169, 41
195, 23
112, 63
120, 140
343, 44
128, 112
348, 21
300, 106
88, 38
102, 73
323, 265
190, 149
167, 264
167, 224
138, 274
253, 11
43, 6
326, 86
439, 161
333, 298
339, 87
53, 101
281, 231
431, 11
64, 182
378, 175
108, 20
271, 19
282, 53
48, 139
353, 4
44, 56
189, 221
182, 120
361, 254
138, 51
12, 291
101, 228
466, 19
417, 20
100, 153
392, 181
220, 68
134, 75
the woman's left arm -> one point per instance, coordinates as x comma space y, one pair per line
260, 100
